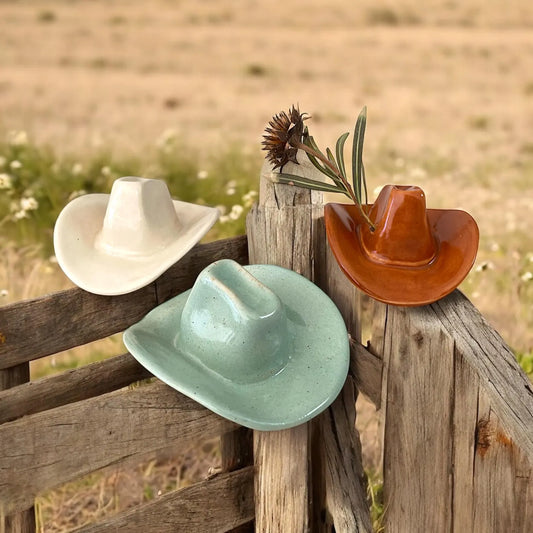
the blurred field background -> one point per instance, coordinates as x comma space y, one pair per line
91, 90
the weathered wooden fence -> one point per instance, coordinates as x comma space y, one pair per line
456, 410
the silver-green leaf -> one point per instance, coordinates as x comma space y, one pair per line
357, 154
339, 149
292, 179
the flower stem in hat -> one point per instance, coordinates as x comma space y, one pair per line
286, 134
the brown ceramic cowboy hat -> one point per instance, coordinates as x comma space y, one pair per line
414, 256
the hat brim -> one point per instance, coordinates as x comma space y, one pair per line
99, 272
312, 378
457, 237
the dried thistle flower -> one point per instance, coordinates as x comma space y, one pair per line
287, 134
282, 136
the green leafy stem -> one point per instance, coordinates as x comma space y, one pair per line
333, 167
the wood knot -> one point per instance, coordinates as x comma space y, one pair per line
418, 337
487, 435
484, 436
2, 338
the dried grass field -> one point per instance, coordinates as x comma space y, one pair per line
449, 91
448, 86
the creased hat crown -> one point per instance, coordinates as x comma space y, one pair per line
402, 234
140, 218
234, 325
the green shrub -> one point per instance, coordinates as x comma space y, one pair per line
35, 184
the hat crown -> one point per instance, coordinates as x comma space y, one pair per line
140, 218
234, 325
402, 234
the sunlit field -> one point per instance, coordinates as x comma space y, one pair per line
182, 90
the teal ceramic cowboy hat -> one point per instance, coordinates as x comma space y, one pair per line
260, 345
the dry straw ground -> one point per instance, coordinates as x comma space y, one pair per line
448, 85
449, 90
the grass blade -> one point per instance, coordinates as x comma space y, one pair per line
357, 153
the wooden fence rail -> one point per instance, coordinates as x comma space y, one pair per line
62, 427
456, 409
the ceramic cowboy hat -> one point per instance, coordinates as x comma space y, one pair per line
119, 242
414, 257
259, 345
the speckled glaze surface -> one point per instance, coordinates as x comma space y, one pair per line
116, 243
259, 345
414, 257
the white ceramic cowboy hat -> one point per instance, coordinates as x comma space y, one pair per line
259, 345
117, 243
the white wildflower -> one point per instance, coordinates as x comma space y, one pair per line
231, 187
77, 169
106, 171
202, 174
418, 172
236, 212
4, 293
223, 219
494, 247
29, 204
526, 276
249, 198
15, 164
17, 138
167, 137
5, 181
20, 214
75, 194
222, 209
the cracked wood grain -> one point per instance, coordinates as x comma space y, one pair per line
47, 449
22, 521
221, 503
50, 324
458, 423
70, 386
297, 474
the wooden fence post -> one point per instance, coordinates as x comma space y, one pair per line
310, 465
236, 450
458, 442
24, 521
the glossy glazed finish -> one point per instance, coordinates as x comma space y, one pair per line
234, 325
116, 243
414, 257
402, 236
259, 345
140, 218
